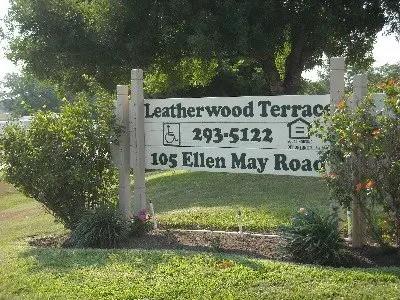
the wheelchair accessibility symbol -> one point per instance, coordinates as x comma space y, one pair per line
172, 134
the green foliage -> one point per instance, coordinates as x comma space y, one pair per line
64, 39
316, 239
164, 78
280, 59
364, 159
226, 78
320, 87
378, 77
101, 227
140, 223
63, 160
23, 95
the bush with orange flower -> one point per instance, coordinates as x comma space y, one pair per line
363, 159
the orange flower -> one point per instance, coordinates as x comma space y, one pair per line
332, 175
370, 184
382, 85
341, 104
391, 82
359, 187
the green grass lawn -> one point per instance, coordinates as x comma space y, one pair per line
204, 200
31, 273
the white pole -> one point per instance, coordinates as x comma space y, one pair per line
360, 84
132, 133
139, 155
360, 89
337, 71
240, 222
153, 215
348, 217
122, 119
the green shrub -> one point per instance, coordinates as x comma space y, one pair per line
363, 155
63, 160
311, 238
102, 227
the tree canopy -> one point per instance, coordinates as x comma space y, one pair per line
190, 42
23, 95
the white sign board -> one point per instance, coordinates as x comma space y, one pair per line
263, 135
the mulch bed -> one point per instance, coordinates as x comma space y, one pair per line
259, 246
251, 245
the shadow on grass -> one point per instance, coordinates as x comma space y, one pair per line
49, 254
67, 260
62, 261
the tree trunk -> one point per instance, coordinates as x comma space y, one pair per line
295, 63
272, 76
394, 205
397, 226
291, 85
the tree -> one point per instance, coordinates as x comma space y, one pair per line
23, 94
318, 87
378, 79
64, 39
378, 75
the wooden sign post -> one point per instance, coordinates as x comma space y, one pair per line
122, 151
358, 227
137, 129
337, 71
337, 84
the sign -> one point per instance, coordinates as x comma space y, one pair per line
263, 135
260, 135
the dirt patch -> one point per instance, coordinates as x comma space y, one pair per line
19, 214
251, 245
372, 256
53, 240
259, 246
6, 188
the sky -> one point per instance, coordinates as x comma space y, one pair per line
386, 50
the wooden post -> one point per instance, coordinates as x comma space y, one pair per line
137, 152
379, 104
132, 133
360, 83
337, 71
122, 118
360, 89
